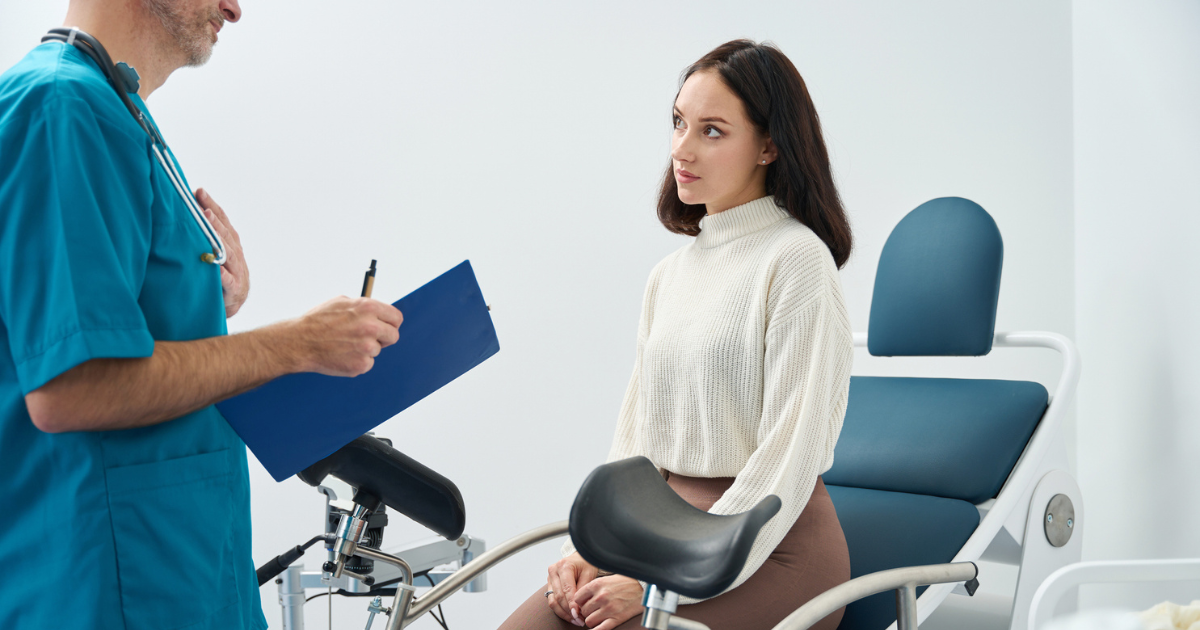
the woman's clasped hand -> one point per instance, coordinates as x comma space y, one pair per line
577, 594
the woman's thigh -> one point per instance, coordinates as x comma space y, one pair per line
760, 603
535, 614
811, 559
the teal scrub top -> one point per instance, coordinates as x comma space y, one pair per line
99, 257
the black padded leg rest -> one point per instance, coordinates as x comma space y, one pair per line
401, 482
627, 520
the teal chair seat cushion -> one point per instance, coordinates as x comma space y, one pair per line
952, 438
888, 530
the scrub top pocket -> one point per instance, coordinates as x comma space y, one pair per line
175, 559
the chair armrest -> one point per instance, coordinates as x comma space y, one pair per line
822, 605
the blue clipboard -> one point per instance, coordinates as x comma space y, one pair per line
297, 420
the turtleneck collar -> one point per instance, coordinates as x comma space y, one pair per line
738, 221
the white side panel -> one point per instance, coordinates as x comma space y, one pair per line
1039, 558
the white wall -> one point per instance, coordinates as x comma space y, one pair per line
1137, 155
529, 137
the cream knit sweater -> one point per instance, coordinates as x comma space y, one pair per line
743, 365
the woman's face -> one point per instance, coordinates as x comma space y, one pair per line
720, 159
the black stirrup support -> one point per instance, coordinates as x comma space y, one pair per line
402, 483
627, 520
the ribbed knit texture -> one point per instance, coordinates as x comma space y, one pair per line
743, 365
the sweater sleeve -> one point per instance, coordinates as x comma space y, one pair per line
626, 440
806, 378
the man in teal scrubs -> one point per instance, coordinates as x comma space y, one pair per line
126, 493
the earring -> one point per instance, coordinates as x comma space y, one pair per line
764, 161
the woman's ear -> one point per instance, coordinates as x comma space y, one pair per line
769, 153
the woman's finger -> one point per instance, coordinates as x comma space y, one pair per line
562, 614
599, 618
607, 624
593, 606
552, 583
585, 599
586, 575
566, 590
552, 586
614, 597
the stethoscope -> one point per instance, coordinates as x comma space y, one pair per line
122, 77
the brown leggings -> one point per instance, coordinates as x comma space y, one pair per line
811, 559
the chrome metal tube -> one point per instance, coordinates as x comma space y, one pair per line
400, 605
656, 598
656, 619
822, 605
291, 597
349, 532
403, 599
906, 607
660, 607
485, 561
406, 575
679, 623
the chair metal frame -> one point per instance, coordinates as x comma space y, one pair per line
1062, 582
1012, 525
904, 581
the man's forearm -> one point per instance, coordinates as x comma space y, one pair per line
179, 378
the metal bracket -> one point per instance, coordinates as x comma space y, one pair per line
375, 608
1059, 520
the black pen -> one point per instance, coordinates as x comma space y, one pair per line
369, 280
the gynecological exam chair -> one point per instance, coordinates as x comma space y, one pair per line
931, 470
930, 475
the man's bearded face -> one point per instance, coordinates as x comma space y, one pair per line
191, 27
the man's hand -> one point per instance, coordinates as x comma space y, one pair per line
565, 577
343, 336
607, 602
235, 275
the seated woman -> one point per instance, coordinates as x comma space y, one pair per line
744, 348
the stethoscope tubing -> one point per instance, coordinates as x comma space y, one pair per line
210, 233
92, 48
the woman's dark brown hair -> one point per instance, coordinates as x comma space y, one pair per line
777, 103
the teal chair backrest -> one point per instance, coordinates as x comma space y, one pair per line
938, 283
917, 454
